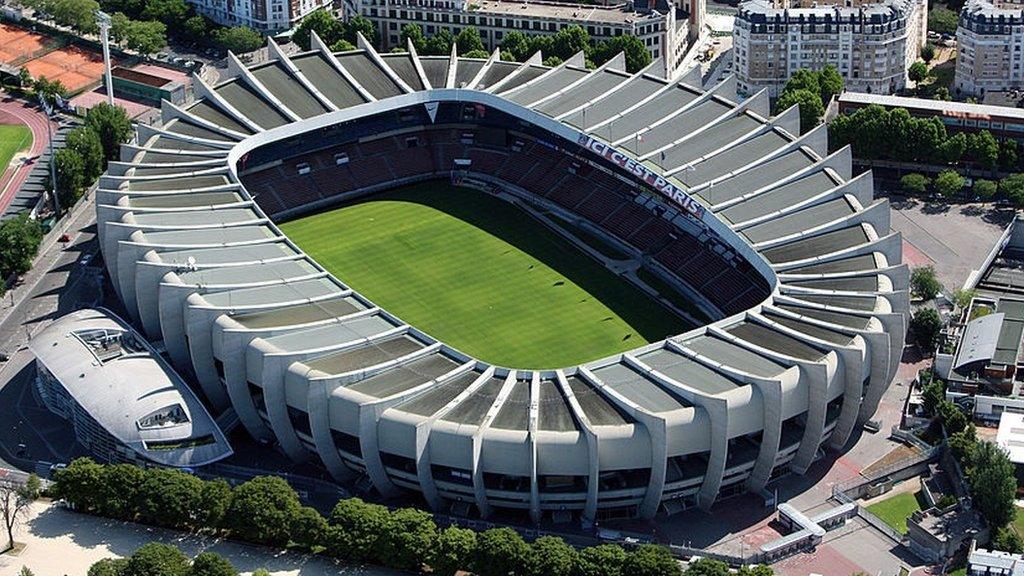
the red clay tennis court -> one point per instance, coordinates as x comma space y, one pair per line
74, 67
17, 44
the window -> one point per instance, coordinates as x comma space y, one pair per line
167, 416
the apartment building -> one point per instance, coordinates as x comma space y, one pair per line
989, 41
263, 15
871, 44
662, 28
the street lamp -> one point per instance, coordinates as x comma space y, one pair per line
103, 20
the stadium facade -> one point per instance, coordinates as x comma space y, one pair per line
760, 227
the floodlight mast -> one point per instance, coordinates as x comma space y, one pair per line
104, 22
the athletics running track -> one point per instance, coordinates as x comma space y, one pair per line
18, 112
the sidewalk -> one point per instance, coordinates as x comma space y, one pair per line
60, 542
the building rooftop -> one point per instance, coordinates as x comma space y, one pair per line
129, 389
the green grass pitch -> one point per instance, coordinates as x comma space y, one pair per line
481, 275
13, 138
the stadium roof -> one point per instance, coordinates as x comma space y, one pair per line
114, 375
776, 197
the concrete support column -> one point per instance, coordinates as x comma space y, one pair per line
535, 512
318, 400
593, 455
479, 490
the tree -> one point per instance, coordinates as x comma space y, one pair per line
76, 14
143, 37
33, 487
993, 484
308, 529
830, 83
568, 41
119, 487
453, 551
918, 71
214, 500
552, 61
212, 564
517, 44
361, 25
112, 125
357, 529
651, 560
262, 509
953, 419
24, 77
637, 55
239, 39
501, 552
962, 297
553, 557
949, 183
342, 46
601, 560
195, 28
468, 40
414, 33
439, 44
707, 567
407, 541
169, 498
1012, 187
171, 13
803, 79
943, 21
19, 243
963, 443
320, 21
109, 567
758, 570
1007, 540
914, 183
70, 169
1008, 155
80, 482
924, 283
928, 52
925, 326
157, 559
811, 109
932, 394
476, 54
14, 508
49, 90
984, 189
86, 142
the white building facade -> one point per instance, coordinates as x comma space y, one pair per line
871, 44
989, 41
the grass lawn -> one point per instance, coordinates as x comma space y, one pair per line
13, 138
895, 510
1018, 522
483, 276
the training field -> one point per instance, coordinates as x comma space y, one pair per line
13, 138
481, 275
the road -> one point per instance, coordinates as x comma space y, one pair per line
55, 285
13, 177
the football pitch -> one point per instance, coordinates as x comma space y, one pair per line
13, 139
483, 276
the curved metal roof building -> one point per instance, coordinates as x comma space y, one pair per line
760, 227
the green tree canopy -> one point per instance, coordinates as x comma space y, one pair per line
707, 567
984, 189
553, 557
408, 540
924, 283
651, 560
308, 529
993, 484
453, 551
168, 497
601, 560
914, 183
119, 490
112, 125
517, 44
830, 83
803, 79
212, 564
414, 32
86, 142
477, 54
109, 567
239, 39
157, 559
326, 26
928, 52
1012, 187
261, 510
501, 552
469, 40
439, 44
568, 41
811, 109
356, 529
942, 21
214, 500
19, 243
70, 169
949, 183
925, 325
918, 71
171, 13
1007, 540
637, 55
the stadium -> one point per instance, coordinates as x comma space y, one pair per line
504, 286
